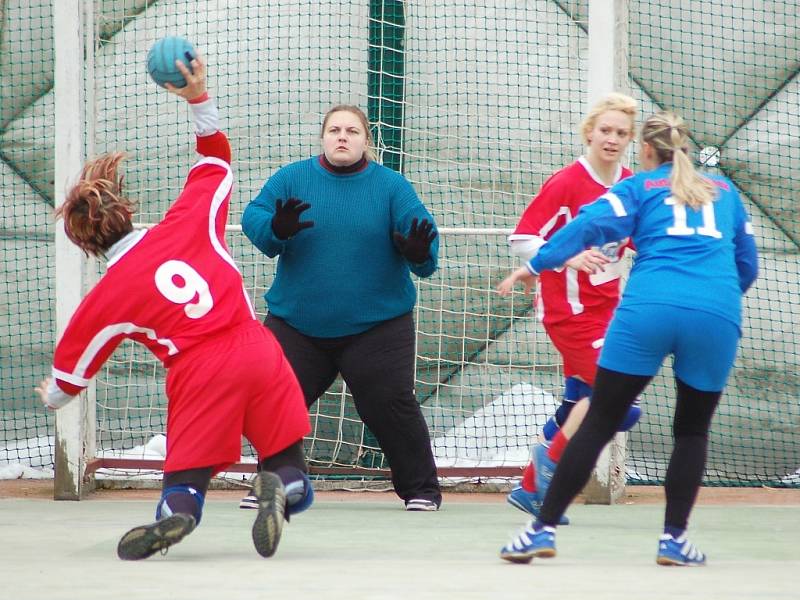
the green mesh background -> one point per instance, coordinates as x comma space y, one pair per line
476, 103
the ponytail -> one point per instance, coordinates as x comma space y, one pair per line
668, 134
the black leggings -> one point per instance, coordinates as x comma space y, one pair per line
293, 456
378, 368
612, 395
196, 478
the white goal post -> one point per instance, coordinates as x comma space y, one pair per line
608, 72
73, 43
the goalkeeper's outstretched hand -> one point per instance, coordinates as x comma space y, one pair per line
416, 248
286, 220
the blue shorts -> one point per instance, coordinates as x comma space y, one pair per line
641, 336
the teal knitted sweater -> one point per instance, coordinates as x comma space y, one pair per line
344, 275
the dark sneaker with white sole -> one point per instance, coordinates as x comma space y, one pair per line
421, 504
146, 540
271, 498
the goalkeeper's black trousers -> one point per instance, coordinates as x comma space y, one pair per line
378, 367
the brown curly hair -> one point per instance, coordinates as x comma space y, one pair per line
95, 211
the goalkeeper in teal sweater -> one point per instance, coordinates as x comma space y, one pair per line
348, 232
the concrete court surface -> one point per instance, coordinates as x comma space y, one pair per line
369, 548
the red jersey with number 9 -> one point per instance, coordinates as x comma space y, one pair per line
171, 287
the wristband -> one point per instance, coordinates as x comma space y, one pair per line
201, 98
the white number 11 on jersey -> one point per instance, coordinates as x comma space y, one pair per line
194, 286
680, 227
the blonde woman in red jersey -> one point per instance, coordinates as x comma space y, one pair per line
575, 306
176, 289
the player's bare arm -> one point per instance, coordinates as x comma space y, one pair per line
41, 391
589, 261
505, 287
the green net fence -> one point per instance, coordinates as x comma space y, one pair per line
476, 103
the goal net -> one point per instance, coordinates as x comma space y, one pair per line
476, 103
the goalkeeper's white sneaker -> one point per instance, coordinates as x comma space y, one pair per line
679, 552
146, 540
271, 496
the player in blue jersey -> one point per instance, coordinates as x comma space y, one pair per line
696, 257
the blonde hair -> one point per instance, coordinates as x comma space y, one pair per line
369, 150
95, 211
668, 135
614, 101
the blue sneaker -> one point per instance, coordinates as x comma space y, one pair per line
529, 543
545, 468
680, 552
529, 502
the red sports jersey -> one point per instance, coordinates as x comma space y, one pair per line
566, 293
171, 287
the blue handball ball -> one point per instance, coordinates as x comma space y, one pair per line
162, 56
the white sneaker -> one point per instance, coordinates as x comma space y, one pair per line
421, 504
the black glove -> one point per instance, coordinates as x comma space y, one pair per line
416, 247
286, 221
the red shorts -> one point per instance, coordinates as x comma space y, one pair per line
238, 384
579, 340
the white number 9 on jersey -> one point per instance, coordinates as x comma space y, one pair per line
194, 286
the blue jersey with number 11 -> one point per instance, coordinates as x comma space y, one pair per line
703, 259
